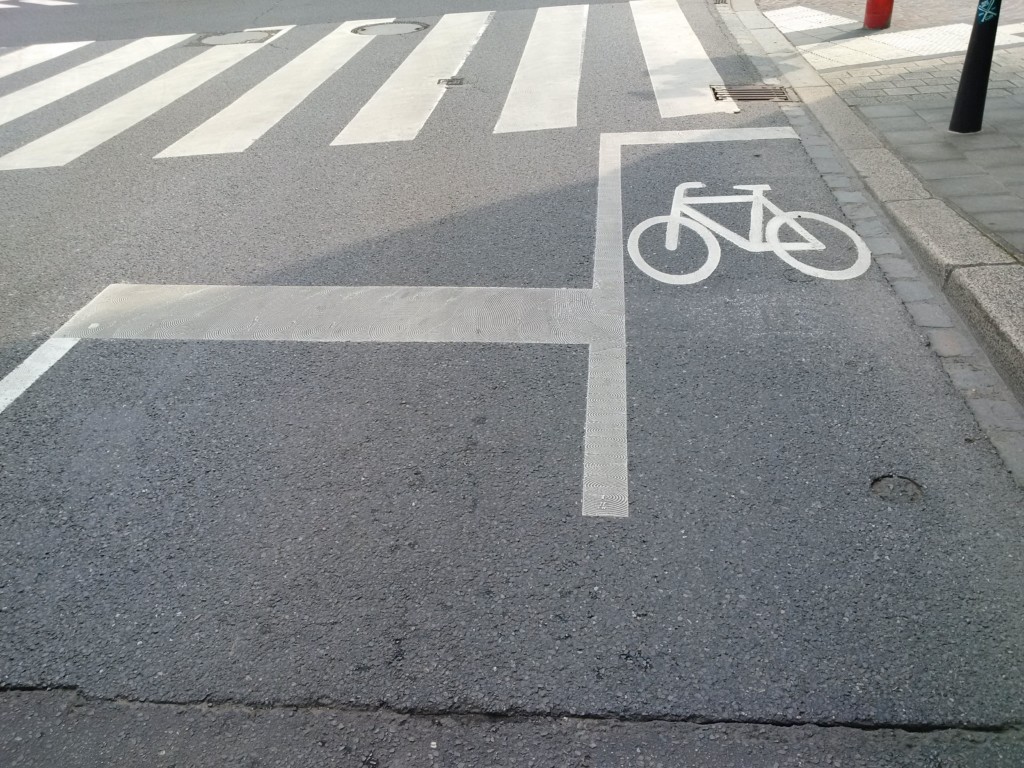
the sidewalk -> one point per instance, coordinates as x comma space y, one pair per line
885, 98
981, 174
903, 82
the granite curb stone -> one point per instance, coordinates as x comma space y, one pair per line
990, 299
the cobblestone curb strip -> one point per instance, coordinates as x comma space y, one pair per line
978, 278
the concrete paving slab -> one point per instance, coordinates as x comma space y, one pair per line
944, 169
999, 157
1008, 173
936, 150
990, 204
998, 221
963, 186
1014, 237
983, 140
904, 123
900, 138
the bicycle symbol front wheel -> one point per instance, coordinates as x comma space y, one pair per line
860, 264
686, 278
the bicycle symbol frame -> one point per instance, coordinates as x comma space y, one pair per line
762, 238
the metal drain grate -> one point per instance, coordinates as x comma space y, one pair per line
721, 2
751, 93
450, 81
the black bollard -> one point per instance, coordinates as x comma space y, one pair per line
969, 108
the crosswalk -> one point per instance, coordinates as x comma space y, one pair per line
543, 94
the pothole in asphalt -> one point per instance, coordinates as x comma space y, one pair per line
897, 489
237, 38
391, 28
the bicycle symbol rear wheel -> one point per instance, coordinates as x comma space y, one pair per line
687, 278
860, 264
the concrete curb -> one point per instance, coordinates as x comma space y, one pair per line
978, 278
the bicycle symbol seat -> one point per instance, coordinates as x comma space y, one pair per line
762, 237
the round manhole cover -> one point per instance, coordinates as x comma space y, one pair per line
391, 28
897, 489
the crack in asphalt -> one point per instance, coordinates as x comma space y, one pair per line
519, 714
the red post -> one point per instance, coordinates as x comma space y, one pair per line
878, 14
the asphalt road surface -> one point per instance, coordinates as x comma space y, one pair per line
369, 420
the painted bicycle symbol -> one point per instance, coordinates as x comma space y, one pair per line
761, 239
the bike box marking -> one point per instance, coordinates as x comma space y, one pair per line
449, 314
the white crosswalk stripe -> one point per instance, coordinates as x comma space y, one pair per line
543, 93
546, 86
78, 137
236, 127
680, 68
40, 94
15, 61
405, 102
51, 3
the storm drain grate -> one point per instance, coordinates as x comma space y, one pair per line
721, 2
751, 93
450, 81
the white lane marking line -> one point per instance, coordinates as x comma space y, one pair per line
15, 61
86, 133
546, 86
605, 439
402, 106
35, 365
236, 127
398, 314
701, 136
2, 6
378, 313
48, 2
37, 95
680, 70
799, 18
